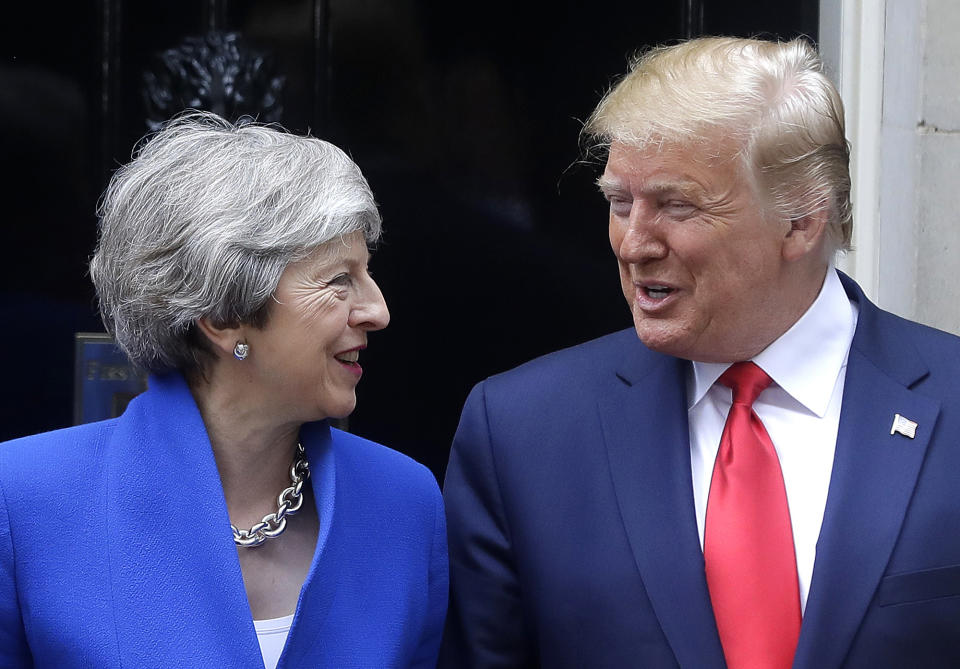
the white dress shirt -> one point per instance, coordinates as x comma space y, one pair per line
800, 410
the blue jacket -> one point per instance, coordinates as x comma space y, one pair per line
116, 550
573, 537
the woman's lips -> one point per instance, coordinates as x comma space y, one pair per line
349, 360
352, 367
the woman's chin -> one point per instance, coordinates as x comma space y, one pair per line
340, 409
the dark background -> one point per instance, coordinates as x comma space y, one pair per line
464, 117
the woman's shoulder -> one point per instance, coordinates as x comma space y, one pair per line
370, 459
69, 461
56, 449
383, 498
382, 477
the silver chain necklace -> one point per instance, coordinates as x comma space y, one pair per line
288, 503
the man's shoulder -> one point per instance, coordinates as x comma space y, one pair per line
579, 370
606, 349
925, 334
883, 334
900, 336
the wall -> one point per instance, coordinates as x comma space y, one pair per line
898, 66
937, 130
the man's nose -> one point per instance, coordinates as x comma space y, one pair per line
642, 241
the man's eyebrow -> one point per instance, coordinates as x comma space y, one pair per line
683, 186
606, 184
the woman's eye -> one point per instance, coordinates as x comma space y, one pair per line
341, 280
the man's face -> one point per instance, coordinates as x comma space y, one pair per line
701, 260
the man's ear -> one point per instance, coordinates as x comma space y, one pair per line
806, 235
223, 339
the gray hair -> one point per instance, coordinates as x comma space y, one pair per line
772, 98
202, 223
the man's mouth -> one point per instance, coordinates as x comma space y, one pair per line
657, 292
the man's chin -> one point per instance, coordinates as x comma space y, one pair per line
660, 339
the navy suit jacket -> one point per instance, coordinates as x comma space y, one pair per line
572, 534
116, 550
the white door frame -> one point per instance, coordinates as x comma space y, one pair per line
852, 35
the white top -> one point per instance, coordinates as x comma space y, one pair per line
272, 635
800, 410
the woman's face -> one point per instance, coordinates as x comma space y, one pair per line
306, 358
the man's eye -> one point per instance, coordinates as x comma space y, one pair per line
679, 207
620, 206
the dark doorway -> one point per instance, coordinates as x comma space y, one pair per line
465, 119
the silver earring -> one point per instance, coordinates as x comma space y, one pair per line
241, 350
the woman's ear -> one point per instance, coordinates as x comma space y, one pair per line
223, 339
806, 235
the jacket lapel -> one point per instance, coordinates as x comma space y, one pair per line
874, 474
647, 439
305, 644
177, 587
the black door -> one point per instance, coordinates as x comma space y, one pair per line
464, 117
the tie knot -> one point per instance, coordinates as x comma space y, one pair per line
746, 380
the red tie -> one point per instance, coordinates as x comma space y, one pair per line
748, 540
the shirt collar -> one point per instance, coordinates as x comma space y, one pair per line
807, 359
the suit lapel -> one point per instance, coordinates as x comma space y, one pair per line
647, 439
874, 474
177, 587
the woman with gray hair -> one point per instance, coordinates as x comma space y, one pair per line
220, 521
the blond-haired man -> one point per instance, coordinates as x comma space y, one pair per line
761, 473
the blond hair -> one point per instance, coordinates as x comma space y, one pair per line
771, 98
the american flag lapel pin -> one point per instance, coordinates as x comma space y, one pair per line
904, 426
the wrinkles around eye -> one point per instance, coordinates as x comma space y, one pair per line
311, 304
312, 289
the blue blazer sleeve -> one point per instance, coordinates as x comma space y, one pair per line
485, 626
439, 585
14, 651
